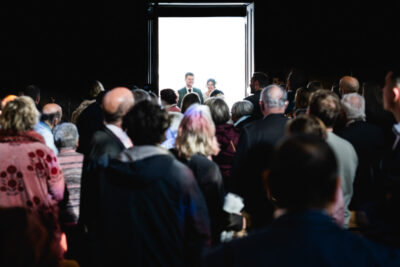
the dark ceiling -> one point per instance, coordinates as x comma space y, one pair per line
61, 45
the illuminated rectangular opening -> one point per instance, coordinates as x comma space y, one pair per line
210, 47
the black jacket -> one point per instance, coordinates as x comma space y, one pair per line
255, 99
253, 154
104, 143
90, 121
210, 181
368, 141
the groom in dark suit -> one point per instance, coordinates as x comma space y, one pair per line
189, 79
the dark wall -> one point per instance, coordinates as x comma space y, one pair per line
61, 45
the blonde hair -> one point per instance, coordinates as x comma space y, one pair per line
19, 115
196, 133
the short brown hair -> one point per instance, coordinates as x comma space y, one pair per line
306, 124
325, 105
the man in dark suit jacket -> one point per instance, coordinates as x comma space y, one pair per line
109, 141
255, 145
257, 84
303, 182
189, 79
368, 142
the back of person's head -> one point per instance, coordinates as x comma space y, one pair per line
348, 84
100, 96
219, 110
169, 96
25, 241
372, 93
217, 93
95, 89
33, 92
306, 124
197, 133
116, 103
354, 106
188, 100
325, 105
140, 94
154, 98
314, 86
146, 123
297, 78
262, 79
66, 135
303, 174
302, 97
274, 96
19, 115
241, 108
51, 113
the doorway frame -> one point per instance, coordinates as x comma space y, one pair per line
176, 9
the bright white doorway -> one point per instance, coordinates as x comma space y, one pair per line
209, 47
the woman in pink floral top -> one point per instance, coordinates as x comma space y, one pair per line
30, 175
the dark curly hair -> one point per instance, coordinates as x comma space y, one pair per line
146, 123
169, 96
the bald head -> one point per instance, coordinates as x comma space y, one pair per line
51, 114
116, 103
348, 85
51, 108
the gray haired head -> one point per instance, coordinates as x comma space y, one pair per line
273, 100
65, 135
242, 108
354, 105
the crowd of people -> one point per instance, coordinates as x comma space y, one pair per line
292, 175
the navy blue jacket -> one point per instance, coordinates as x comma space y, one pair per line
152, 212
309, 239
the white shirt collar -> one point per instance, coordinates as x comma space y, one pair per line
122, 136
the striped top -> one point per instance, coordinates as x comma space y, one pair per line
71, 165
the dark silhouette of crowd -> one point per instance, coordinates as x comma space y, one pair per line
292, 175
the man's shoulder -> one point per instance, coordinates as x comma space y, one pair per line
271, 246
105, 137
102, 133
254, 97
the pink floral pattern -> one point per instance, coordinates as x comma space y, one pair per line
30, 175
11, 181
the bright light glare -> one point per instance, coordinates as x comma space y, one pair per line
210, 47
